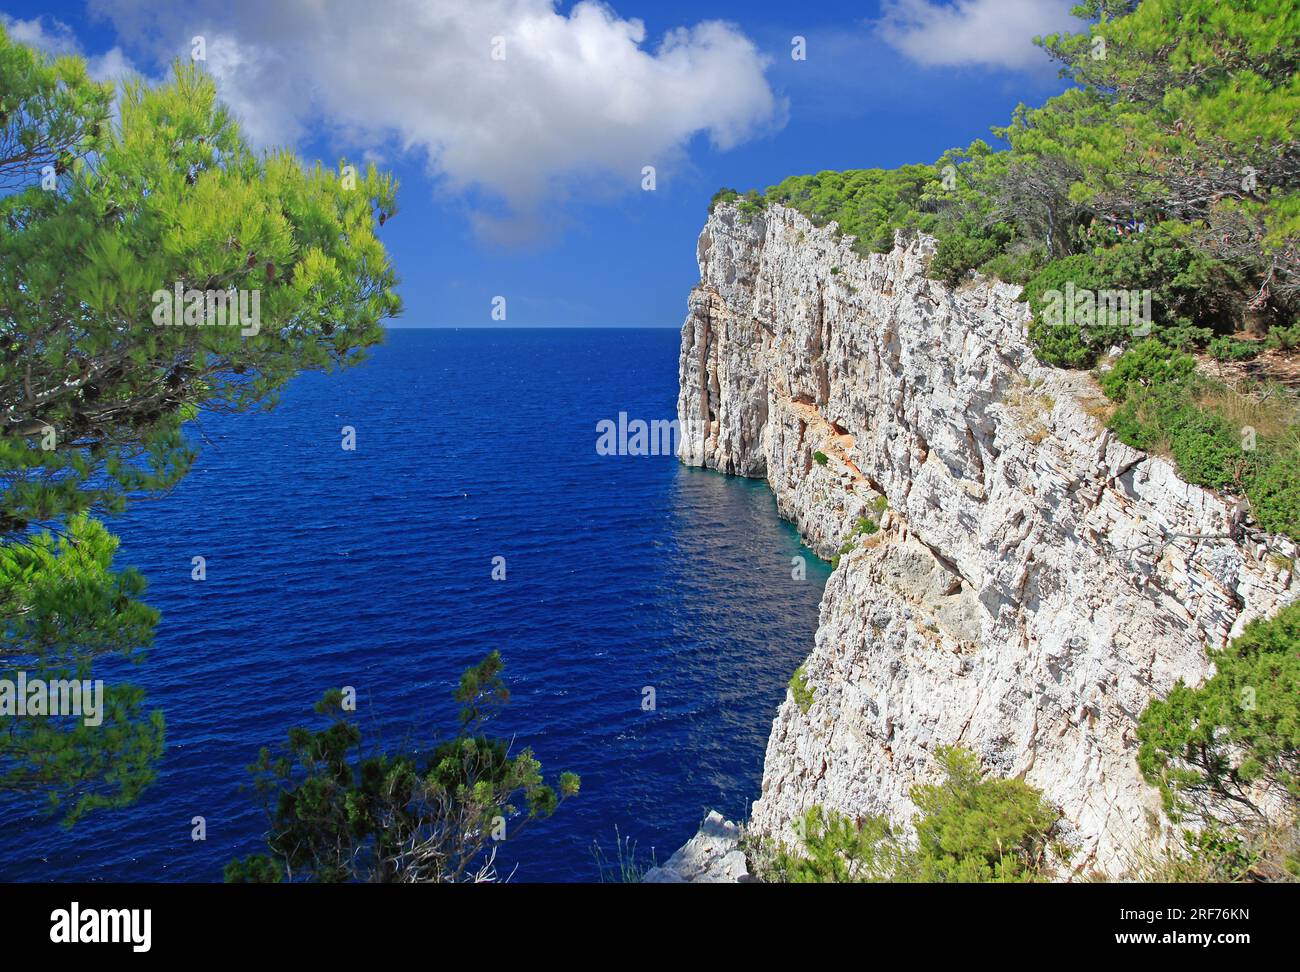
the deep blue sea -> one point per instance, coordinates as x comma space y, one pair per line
373, 569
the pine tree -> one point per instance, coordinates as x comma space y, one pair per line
99, 216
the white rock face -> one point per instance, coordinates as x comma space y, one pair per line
712, 856
1033, 584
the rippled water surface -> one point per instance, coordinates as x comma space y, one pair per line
372, 568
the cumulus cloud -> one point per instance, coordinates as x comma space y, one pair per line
989, 33
56, 38
579, 102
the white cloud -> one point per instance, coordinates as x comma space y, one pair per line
579, 104
56, 38
989, 33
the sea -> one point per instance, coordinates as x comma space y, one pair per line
649, 617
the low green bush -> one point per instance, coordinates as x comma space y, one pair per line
1149, 364
1157, 388
1274, 493
1285, 338
1225, 348
1019, 264
722, 197
803, 696
865, 526
868, 204
970, 827
1061, 342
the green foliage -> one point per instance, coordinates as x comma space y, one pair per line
1212, 751
1190, 95
254, 869
976, 828
63, 606
969, 828
99, 210
968, 246
1018, 264
1185, 295
1172, 167
868, 204
750, 204
865, 526
170, 194
799, 690
1225, 348
51, 113
837, 850
1274, 491
1150, 364
722, 197
336, 814
820, 458
1285, 338
1215, 853
1161, 411
1062, 342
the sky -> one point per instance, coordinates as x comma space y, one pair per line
520, 130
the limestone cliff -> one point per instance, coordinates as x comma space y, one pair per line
1035, 580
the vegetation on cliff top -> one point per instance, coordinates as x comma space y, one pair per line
1170, 173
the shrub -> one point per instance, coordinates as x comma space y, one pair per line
976, 828
1187, 288
803, 696
865, 526
1067, 345
1274, 493
820, 458
335, 814
1018, 265
868, 204
1207, 449
1224, 348
751, 204
1157, 389
837, 850
969, 827
721, 198
1212, 750
1216, 854
1285, 338
966, 248
1148, 364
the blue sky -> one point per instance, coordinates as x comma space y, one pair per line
526, 182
